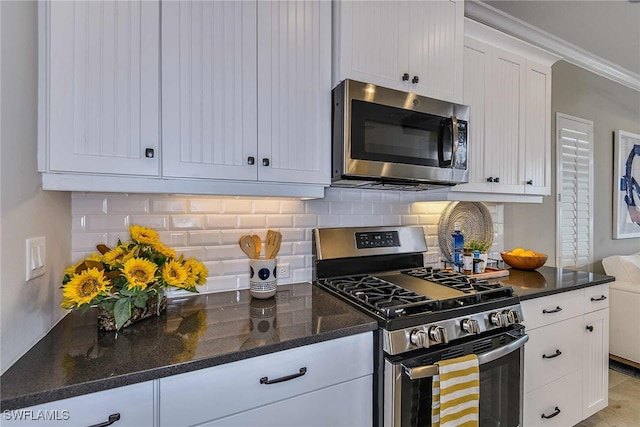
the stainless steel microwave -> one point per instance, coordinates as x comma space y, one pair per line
388, 139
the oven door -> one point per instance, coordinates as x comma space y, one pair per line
408, 381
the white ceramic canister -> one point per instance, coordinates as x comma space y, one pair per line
262, 277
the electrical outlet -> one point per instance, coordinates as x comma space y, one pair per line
36, 257
282, 271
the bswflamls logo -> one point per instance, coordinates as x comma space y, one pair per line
39, 415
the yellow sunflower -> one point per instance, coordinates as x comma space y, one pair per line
174, 274
117, 256
70, 271
164, 250
95, 257
144, 235
139, 272
198, 270
83, 287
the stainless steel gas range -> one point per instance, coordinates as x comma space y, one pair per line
425, 315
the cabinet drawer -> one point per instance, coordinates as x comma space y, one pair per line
563, 337
553, 308
596, 298
348, 404
134, 404
212, 393
561, 396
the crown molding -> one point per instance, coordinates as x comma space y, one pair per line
488, 15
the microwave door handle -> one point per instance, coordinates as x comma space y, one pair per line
441, 161
454, 139
429, 371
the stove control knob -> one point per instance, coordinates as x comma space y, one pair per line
513, 317
419, 338
438, 334
496, 319
470, 326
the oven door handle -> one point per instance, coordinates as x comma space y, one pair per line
428, 371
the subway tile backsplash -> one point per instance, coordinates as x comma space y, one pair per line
208, 228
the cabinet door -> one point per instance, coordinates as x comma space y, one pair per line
537, 155
595, 368
294, 91
103, 87
505, 122
555, 405
435, 42
552, 352
133, 403
209, 124
368, 45
477, 58
348, 404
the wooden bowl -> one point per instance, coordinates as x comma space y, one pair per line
524, 262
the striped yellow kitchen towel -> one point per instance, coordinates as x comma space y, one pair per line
456, 393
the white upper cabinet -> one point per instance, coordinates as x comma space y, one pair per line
537, 156
209, 89
245, 97
507, 85
294, 91
412, 46
246, 90
99, 109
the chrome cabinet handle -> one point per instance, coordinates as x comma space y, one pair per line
556, 310
601, 298
112, 419
266, 380
428, 371
546, 417
556, 354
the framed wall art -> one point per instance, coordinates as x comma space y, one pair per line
626, 191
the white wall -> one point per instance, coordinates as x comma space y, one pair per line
208, 228
27, 309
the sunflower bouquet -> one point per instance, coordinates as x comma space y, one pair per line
130, 280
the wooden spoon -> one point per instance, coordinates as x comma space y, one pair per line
257, 242
247, 246
274, 238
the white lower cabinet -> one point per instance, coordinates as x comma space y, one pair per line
347, 404
566, 358
133, 405
554, 404
277, 388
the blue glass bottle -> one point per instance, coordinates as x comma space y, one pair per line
457, 240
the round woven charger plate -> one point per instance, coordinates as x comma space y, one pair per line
475, 223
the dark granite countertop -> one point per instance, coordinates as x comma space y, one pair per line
550, 280
196, 332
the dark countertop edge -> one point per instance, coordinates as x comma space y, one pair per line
75, 390
545, 292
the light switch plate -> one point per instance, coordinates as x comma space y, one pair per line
36, 257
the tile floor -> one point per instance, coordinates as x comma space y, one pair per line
624, 404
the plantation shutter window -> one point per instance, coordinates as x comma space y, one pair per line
574, 191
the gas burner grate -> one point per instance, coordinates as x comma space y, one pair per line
453, 280
388, 299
